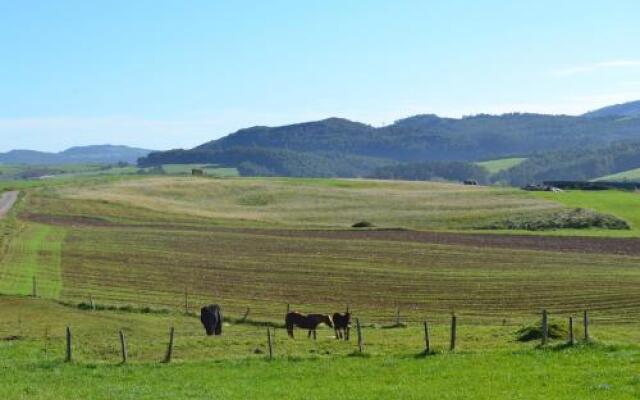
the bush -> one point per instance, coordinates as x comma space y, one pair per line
534, 332
363, 224
578, 218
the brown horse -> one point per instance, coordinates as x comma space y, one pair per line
309, 322
342, 325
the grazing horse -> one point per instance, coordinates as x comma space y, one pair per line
342, 325
309, 322
211, 317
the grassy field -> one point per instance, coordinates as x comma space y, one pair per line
487, 364
209, 170
146, 241
321, 203
147, 244
630, 175
499, 165
622, 204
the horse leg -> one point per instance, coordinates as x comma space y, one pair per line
309, 334
337, 331
290, 331
346, 336
314, 334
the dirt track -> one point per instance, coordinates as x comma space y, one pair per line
6, 202
624, 246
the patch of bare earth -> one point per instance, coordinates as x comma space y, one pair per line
621, 246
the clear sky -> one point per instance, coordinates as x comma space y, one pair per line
167, 74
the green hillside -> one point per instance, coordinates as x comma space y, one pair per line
337, 147
630, 175
501, 164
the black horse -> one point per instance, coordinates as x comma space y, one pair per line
211, 317
309, 322
342, 325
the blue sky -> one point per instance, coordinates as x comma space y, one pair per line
168, 74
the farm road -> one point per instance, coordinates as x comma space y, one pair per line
7, 201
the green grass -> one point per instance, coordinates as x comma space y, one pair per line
35, 251
630, 175
137, 243
502, 164
488, 362
318, 203
622, 204
580, 373
209, 170
140, 242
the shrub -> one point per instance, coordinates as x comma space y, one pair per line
362, 224
534, 332
577, 218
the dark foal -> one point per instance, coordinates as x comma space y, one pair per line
342, 325
309, 322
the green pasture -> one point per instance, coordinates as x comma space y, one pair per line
209, 169
502, 164
623, 204
147, 249
488, 363
632, 175
318, 203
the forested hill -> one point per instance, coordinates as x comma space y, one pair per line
339, 147
99, 154
424, 137
631, 109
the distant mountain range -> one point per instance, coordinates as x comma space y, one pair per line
339, 147
631, 109
102, 154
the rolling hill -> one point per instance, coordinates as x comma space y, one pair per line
631, 109
100, 154
339, 147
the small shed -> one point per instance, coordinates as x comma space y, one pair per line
197, 172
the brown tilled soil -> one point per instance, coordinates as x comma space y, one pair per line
623, 246
576, 244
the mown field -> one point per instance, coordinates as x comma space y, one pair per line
266, 243
501, 164
630, 175
145, 245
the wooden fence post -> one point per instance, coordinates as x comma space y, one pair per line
585, 321
167, 357
288, 308
246, 315
68, 357
186, 301
359, 331
269, 344
46, 341
545, 327
427, 342
34, 288
397, 315
454, 327
572, 339
123, 347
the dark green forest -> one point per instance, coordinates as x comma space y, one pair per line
429, 147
